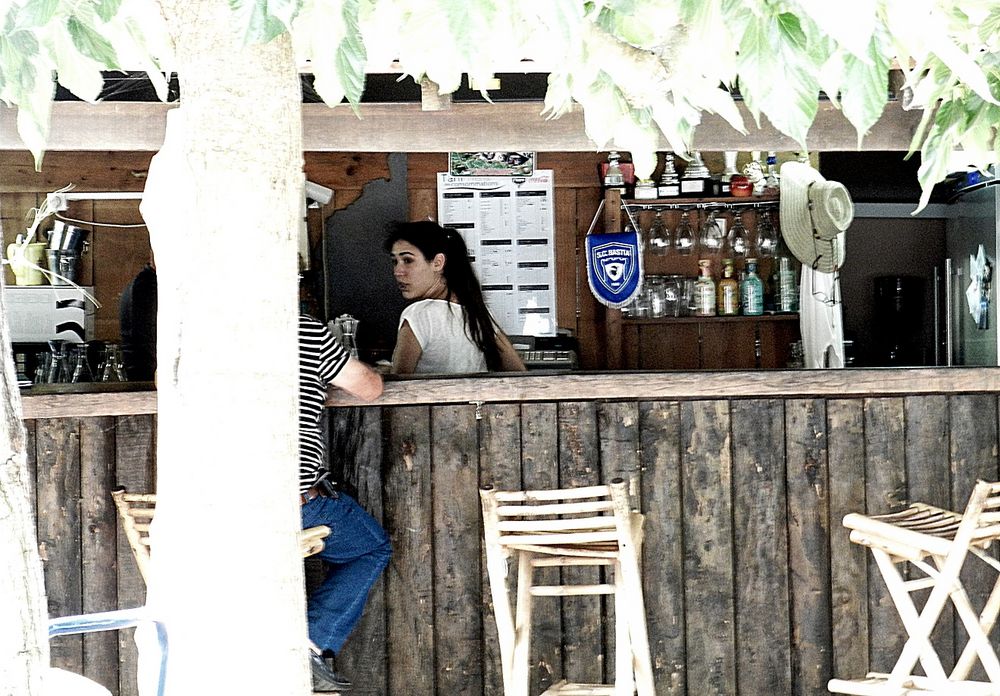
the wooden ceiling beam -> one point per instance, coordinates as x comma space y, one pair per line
139, 126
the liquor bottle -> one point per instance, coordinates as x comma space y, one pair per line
771, 182
786, 290
670, 183
728, 293
696, 179
613, 177
753, 291
704, 290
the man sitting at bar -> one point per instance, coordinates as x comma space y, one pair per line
357, 549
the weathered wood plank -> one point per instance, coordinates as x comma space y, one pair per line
618, 435
565, 257
135, 468
928, 480
885, 489
409, 499
848, 562
58, 499
708, 548
763, 649
808, 544
364, 656
540, 471
457, 587
99, 544
663, 547
973, 456
584, 659
500, 467
345, 170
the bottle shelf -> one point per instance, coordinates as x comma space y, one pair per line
722, 201
793, 316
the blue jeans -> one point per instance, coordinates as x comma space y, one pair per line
356, 551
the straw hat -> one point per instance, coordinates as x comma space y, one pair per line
814, 215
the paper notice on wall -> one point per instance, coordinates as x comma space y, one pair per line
509, 226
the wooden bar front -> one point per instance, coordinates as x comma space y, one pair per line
751, 585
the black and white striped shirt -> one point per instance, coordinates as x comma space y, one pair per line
321, 359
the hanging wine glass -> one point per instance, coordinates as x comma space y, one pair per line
684, 235
739, 237
711, 238
767, 235
659, 236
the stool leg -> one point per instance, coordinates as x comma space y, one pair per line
522, 630
624, 662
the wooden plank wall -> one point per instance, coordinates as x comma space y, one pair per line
751, 585
88, 565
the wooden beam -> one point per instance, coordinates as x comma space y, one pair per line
588, 386
134, 126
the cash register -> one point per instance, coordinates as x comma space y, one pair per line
558, 352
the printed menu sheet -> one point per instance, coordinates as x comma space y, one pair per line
508, 224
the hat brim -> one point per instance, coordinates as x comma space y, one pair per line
825, 256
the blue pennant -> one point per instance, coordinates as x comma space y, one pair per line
614, 267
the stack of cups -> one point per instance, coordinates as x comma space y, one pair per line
63, 254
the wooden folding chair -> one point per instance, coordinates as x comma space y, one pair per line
936, 543
591, 526
136, 512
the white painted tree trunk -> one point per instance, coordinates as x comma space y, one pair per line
222, 203
24, 647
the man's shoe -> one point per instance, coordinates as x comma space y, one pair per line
325, 680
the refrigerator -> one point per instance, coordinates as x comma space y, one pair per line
973, 221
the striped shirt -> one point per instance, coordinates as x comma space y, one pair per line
321, 359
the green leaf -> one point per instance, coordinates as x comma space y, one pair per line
990, 28
351, 55
36, 13
91, 44
259, 25
107, 9
865, 89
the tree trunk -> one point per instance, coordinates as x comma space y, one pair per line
24, 646
223, 203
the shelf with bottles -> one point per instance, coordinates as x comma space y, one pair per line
692, 319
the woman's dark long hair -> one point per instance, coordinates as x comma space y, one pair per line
433, 239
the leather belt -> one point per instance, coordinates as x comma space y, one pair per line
320, 489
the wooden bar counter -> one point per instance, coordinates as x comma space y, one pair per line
751, 584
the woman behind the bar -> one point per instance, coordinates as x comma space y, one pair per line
447, 328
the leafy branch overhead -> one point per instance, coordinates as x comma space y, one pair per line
642, 70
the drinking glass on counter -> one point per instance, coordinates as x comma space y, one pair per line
111, 368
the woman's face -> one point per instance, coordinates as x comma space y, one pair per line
416, 277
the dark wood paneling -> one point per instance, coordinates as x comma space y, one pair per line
457, 635
708, 548
500, 467
58, 500
848, 562
763, 649
928, 480
808, 544
135, 468
885, 485
973, 457
663, 547
728, 345
584, 658
357, 444
409, 521
540, 471
98, 529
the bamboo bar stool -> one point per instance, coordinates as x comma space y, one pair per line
931, 546
591, 526
136, 512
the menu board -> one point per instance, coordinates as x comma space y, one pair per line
508, 224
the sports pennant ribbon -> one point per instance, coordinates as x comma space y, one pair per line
614, 267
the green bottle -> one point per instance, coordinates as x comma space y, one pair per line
752, 291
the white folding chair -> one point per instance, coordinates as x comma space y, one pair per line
934, 545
